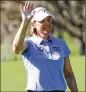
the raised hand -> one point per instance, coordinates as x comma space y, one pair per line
26, 10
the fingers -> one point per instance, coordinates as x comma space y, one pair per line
26, 9
30, 6
27, 6
21, 7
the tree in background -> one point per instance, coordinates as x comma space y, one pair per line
69, 15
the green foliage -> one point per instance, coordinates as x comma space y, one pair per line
14, 57
7, 53
70, 41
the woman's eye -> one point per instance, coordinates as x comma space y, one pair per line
49, 19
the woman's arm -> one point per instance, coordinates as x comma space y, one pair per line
69, 76
18, 43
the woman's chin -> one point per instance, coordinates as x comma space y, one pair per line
46, 34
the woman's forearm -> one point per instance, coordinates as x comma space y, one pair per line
19, 38
71, 82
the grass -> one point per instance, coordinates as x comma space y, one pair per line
13, 77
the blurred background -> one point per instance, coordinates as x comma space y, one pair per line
68, 25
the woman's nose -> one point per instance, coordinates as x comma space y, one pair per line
46, 22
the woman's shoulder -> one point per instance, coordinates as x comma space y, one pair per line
59, 40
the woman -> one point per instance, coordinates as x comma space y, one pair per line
45, 57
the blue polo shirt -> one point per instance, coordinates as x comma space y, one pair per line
44, 63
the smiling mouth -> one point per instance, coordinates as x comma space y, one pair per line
46, 31
45, 28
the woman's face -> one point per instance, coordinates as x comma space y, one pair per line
44, 27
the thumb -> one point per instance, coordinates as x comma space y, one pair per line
21, 7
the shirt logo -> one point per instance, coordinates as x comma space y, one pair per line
56, 49
56, 53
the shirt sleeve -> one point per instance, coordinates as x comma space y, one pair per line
66, 50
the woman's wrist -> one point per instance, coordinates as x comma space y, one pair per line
26, 20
